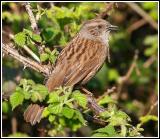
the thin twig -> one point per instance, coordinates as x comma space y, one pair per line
125, 78
105, 13
28, 50
109, 91
149, 61
92, 104
152, 107
142, 13
44, 69
31, 18
136, 25
34, 25
14, 124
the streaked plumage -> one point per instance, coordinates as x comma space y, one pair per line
78, 62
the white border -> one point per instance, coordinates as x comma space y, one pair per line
80, 1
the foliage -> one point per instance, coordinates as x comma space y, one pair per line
65, 108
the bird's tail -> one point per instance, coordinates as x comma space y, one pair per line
33, 114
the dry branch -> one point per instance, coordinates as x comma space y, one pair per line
125, 78
142, 13
44, 69
32, 18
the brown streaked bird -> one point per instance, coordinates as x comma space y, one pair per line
78, 62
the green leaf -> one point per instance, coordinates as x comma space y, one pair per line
105, 114
18, 134
147, 118
55, 109
99, 135
45, 112
16, 99
113, 75
79, 116
53, 97
5, 107
39, 93
107, 131
44, 57
28, 32
67, 112
51, 118
106, 100
27, 95
20, 39
119, 118
36, 38
80, 98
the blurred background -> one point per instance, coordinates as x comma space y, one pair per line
133, 69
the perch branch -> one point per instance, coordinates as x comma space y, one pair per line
142, 13
44, 69
96, 120
92, 104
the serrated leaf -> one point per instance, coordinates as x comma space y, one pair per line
55, 109
36, 38
79, 116
47, 50
105, 114
20, 39
28, 32
53, 97
80, 98
27, 95
51, 118
16, 99
119, 118
44, 57
45, 112
38, 92
106, 100
52, 58
108, 131
67, 112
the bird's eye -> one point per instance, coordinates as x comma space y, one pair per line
99, 26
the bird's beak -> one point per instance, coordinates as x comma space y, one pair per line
112, 27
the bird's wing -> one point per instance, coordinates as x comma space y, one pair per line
75, 63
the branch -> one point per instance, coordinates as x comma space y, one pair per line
31, 18
142, 13
149, 61
136, 25
152, 107
44, 69
125, 78
105, 13
34, 25
92, 104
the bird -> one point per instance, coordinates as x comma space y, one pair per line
78, 62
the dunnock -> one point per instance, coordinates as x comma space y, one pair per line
78, 62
